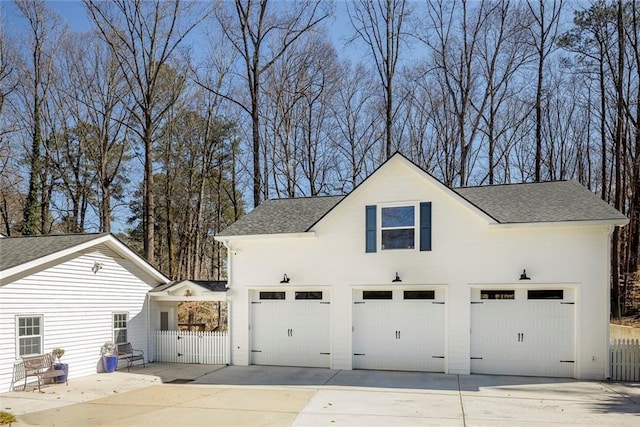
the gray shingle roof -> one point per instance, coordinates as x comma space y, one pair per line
539, 202
211, 285
508, 204
278, 216
15, 251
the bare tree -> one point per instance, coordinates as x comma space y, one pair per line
43, 26
502, 55
457, 30
380, 24
261, 35
356, 123
143, 37
543, 34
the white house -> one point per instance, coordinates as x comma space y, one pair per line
73, 292
404, 273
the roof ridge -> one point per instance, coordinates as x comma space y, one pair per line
104, 233
324, 196
506, 184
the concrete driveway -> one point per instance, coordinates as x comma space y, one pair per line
198, 395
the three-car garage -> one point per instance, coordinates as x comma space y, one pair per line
513, 330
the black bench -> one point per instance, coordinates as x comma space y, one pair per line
130, 354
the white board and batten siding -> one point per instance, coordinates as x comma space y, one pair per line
77, 307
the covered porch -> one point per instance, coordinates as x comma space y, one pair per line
189, 322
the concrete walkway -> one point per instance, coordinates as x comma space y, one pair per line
199, 395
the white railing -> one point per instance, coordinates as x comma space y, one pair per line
625, 360
207, 348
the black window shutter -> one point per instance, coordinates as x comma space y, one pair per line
371, 228
425, 226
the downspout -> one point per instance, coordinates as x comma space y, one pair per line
228, 301
228, 246
607, 367
150, 336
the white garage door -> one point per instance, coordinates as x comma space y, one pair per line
399, 330
523, 332
290, 328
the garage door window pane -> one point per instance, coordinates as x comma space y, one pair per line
377, 294
545, 294
509, 294
271, 295
309, 295
419, 294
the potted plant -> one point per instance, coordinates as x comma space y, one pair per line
58, 353
109, 356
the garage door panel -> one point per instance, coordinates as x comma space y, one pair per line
398, 334
290, 332
523, 337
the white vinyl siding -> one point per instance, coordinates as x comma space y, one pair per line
78, 306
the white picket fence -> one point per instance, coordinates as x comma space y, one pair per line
207, 348
625, 360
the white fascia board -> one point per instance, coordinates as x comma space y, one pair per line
562, 224
108, 239
305, 235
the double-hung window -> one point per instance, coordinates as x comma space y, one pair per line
120, 321
398, 227
29, 335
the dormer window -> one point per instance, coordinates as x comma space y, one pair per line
397, 227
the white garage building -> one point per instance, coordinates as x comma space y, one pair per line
404, 273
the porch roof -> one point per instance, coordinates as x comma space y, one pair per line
191, 290
210, 285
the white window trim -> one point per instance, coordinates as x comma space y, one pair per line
416, 228
113, 327
17, 333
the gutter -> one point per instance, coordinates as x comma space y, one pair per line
607, 353
227, 245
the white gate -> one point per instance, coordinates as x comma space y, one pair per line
625, 360
207, 348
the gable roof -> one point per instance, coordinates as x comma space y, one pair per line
557, 201
277, 216
22, 253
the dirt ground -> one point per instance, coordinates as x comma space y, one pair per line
628, 321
